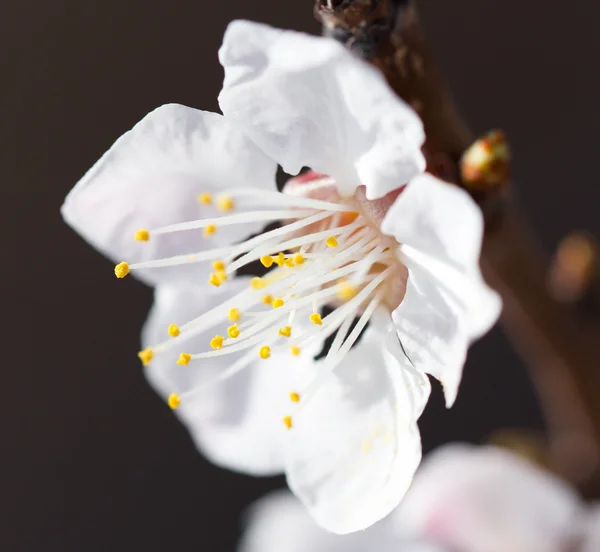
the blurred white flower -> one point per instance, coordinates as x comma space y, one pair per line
404, 259
590, 530
485, 499
464, 499
279, 523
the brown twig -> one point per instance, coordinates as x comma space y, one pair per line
543, 313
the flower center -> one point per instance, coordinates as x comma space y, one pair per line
329, 251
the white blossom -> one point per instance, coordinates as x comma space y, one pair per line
367, 232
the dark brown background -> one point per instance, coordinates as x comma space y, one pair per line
91, 460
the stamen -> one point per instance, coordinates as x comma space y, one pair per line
184, 359
233, 331
333, 362
331, 242
174, 330
217, 342
205, 199
286, 331
219, 266
265, 352
348, 310
225, 203
315, 318
294, 397
298, 259
234, 315
277, 303
142, 235
290, 244
340, 336
267, 299
121, 270
146, 356
287, 420
214, 279
277, 198
174, 401
347, 291
295, 350
209, 230
267, 261
232, 251
236, 367
238, 218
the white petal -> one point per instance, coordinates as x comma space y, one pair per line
483, 498
279, 523
355, 445
307, 101
237, 423
447, 303
151, 177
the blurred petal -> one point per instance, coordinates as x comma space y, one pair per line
447, 303
279, 523
591, 538
355, 445
307, 101
486, 499
236, 423
151, 177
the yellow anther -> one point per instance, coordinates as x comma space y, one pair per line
286, 331
289, 262
146, 356
209, 230
347, 291
121, 270
315, 318
294, 397
265, 351
278, 303
174, 401
287, 420
217, 342
205, 199
295, 350
298, 259
225, 203
173, 330
267, 299
233, 331
280, 259
221, 276
214, 280
234, 314
218, 265
331, 242
257, 283
267, 261
142, 235
184, 359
